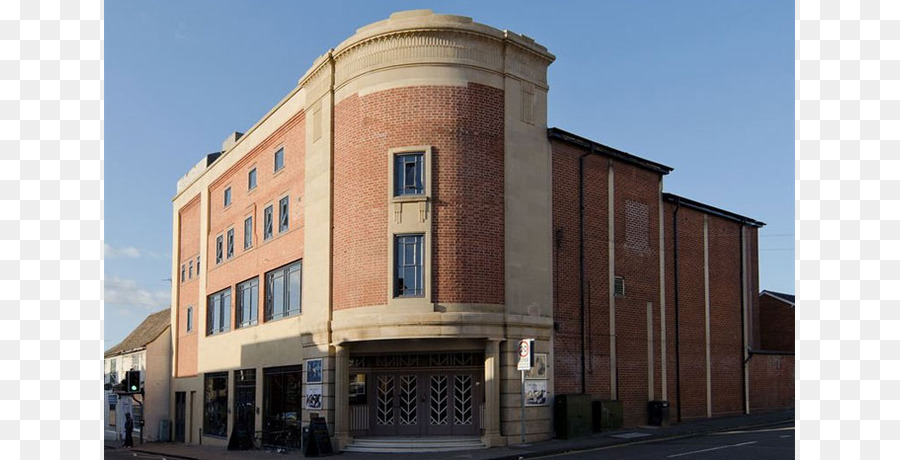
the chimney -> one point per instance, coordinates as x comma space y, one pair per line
229, 141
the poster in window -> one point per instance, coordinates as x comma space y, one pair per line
539, 370
536, 393
314, 397
314, 370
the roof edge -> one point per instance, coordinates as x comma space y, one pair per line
565, 136
777, 296
702, 207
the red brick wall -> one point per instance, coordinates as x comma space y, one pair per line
282, 248
464, 126
637, 263
726, 342
188, 292
776, 324
771, 382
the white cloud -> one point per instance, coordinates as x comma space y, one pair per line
127, 292
128, 251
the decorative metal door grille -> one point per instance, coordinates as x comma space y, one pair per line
439, 412
384, 411
416, 360
462, 400
408, 400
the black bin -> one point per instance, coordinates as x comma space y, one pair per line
658, 413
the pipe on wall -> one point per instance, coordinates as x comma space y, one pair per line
675, 287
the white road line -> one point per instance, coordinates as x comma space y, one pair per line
786, 428
785, 436
711, 449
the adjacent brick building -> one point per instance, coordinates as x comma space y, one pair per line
373, 249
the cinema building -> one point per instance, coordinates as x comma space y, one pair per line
373, 249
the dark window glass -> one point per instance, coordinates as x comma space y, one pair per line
408, 262
230, 246
282, 398
248, 232
409, 174
219, 249
267, 223
190, 269
279, 160
251, 179
247, 303
182, 273
283, 215
227, 196
216, 404
218, 312
198, 265
283, 288
190, 319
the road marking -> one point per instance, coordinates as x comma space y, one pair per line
711, 449
785, 436
786, 428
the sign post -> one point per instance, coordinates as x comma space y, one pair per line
526, 360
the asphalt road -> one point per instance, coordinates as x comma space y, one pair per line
122, 454
775, 443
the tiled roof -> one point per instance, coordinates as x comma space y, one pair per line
784, 297
146, 332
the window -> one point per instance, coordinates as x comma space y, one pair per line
283, 215
198, 265
230, 244
619, 287
248, 232
251, 179
267, 223
182, 273
190, 319
409, 174
219, 249
216, 404
279, 160
191, 269
282, 397
218, 312
247, 303
227, 196
283, 292
408, 264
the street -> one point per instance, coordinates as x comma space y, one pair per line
774, 443
122, 454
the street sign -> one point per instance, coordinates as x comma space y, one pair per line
526, 354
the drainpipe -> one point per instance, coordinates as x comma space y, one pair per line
746, 347
677, 337
581, 267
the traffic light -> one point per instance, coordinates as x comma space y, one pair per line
133, 381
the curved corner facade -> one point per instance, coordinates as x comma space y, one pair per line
372, 251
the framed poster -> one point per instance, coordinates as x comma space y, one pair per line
314, 370
314, 397
536, 393
539, 370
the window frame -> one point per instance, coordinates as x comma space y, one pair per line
217, 396
191, 269
252, 178
400, 267
284, 272
400, 177
223, 318
248, 235
279, 154
227, 197
189, 321
284, 214
182, 273
229, 244
252, 285
268, 222
219, 249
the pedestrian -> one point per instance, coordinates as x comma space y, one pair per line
129, 427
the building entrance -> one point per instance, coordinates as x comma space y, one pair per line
427, 394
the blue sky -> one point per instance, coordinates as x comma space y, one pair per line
706, 87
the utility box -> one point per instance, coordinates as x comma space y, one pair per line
607, 415
163, 431
572, 416
658, 413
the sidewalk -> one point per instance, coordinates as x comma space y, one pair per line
553, 446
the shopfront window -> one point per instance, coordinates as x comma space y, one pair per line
215, 419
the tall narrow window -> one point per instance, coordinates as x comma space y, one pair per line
198, 265
267, 223
248, 232
279, 160
408, 263
215, 409
218, 312
230, 244
283, 288
409, 174
251, 179
283, 215
247, 303
182, 273
219, 249
190, 319
190, 269
227, 196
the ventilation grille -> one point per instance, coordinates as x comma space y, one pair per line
619, 287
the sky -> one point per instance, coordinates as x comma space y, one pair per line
706, 87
